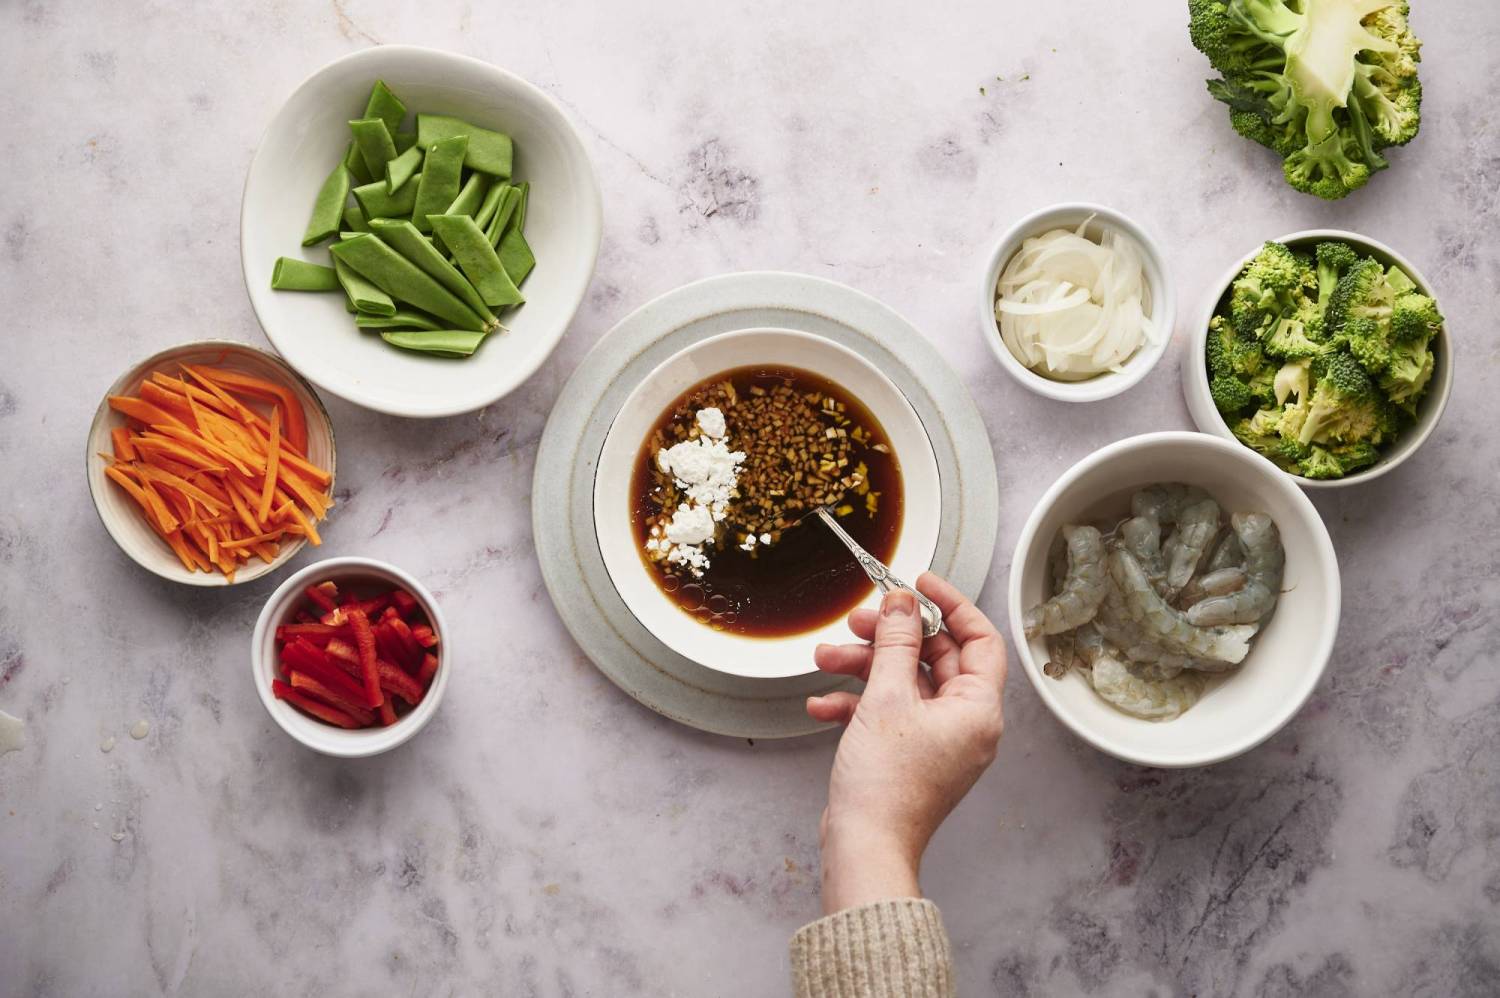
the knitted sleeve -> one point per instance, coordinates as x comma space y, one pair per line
888, 949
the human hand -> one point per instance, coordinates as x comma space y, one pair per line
915, 741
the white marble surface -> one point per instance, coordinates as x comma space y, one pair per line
548, 836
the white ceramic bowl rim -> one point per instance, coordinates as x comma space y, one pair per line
1163, 302
1431, 405
754, 657
315, 734
1319, 652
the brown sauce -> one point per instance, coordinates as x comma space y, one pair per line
806, 579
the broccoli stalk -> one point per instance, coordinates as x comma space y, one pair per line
1326, 84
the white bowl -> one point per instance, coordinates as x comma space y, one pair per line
1429, 409
738, 655
302, 145
326, 738
1286, 659
1163, 312
123, 518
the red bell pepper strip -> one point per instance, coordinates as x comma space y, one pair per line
404, 602
321, 711
318, 634
323, 594
312, 687
411, 651
425, 636
428, 669
303, 657
364, 643
400, 683
387, 644
387, 714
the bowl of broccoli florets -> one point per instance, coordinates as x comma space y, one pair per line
1325, 352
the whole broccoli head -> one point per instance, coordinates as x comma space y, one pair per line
1326, 84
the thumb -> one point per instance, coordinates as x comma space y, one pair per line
898, 645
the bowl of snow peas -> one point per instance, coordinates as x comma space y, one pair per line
418, 229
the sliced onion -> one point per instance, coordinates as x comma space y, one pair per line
1071, 307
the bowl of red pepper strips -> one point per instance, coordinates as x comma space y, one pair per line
350, 656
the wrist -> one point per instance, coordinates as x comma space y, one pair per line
862, 863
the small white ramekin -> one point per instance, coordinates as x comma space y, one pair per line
315, 734
1163, 302
1429, 410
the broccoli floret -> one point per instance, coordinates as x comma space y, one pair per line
1291, 341
1229, 354
1334, 260
1326, 84
1344, 405
1362, 292
1274, 283
1291, 379
1414, 318
1337, 461
1262, 434
1399, 282
1229, 393
1263, 387
1406, 377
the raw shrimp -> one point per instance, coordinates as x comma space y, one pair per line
1163, 503
1167, 625
1090, 645
1153, 700
1082, 589
1061, 654
1197, 526
1264, 561
1220, 582
1141, 536
1229, 554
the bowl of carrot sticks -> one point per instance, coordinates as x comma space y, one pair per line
350, 656
211, 463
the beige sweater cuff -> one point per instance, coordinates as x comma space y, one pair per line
888, 949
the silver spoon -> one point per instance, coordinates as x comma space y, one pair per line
885, 580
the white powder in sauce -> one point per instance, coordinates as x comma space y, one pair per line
707, 472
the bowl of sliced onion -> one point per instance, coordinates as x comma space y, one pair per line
1077, 305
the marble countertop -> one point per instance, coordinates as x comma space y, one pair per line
548, 836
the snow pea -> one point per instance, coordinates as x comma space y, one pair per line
477, 259
403, 237
471, 196
515, 255
525, 187
403, 280
354, 217
404, 140
376, 147
491, 204
355, 164
364, 296
401, 169
290, 274
441, 342
488, 152
403, 319
438, 183
328, 209
503, 216
386, 106
377, 202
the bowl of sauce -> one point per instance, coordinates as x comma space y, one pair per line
707, 479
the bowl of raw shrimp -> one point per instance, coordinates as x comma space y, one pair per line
1230, 631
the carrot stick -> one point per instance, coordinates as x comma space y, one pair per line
198, 459
121, 438
135, 492
187, 488
145, 412
273, 461
293, 417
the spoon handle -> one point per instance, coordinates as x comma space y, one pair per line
884, 579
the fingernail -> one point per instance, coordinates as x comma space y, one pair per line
898, 604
